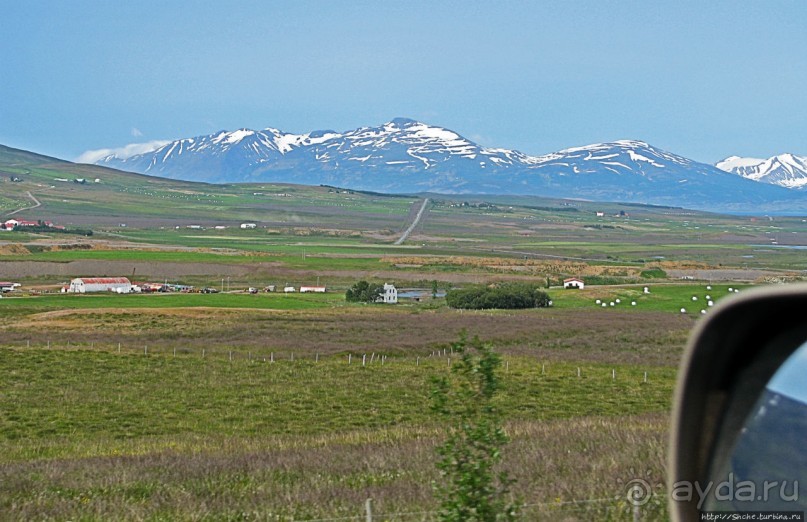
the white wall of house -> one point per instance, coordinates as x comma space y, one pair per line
390, 294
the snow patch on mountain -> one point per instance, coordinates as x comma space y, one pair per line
785, 170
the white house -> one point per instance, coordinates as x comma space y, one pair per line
390, 294
7, 286
83, 285
574, 282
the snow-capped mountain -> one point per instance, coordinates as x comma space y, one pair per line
404, 155
244, 155
785, 170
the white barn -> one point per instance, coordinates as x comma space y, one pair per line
84, 285
390, 294
574, 282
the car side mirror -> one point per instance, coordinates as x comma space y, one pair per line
739, 425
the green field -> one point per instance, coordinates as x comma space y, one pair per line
146, 411
272, 406
268, 301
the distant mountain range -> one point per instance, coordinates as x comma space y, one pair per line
785, 170
404, 155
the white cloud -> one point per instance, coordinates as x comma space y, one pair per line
136, 132
127, 151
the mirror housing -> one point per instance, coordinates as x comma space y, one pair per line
729, 360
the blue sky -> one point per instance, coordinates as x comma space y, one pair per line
701, 79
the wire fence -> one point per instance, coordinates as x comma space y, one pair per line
442, 357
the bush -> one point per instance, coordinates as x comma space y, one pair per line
504, 295
471, 490
364, 292
654, 273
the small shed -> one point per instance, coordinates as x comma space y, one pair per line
574, 282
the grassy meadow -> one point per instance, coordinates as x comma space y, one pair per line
232, 406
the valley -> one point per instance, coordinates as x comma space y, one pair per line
300, 406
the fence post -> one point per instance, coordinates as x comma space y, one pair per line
146, 349
349, 356
368, 509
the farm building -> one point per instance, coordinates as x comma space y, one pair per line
6, 286
574, 282
249, 225
317, 289
390, 295
84, 285
289, 289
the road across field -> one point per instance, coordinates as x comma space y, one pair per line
414, 223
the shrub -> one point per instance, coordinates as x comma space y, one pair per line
471, 489
653, 273
504, 295
364, 292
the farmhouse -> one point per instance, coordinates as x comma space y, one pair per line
11, 224
390, 295
85, 285
317, 289
574, 282
8, 286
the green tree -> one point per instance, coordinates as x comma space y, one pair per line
364, 292
503, 295
470, 488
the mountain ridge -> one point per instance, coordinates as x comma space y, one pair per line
405, 155
786, 170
